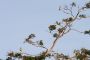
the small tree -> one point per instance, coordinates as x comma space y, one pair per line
82, 54
59, 29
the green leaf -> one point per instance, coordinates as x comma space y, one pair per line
73, 4
60, 30
58, 23
82, 16
70, 19
8, 58
31, 36
41, 42
28, 58
55, 35
87, 32
17, 55
52, 27
88, 52
88, 5
11, 54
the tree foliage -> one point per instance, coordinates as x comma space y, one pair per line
59, 29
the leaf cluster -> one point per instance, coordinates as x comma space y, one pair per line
87, 32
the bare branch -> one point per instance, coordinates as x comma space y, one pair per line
77, 30
70, 10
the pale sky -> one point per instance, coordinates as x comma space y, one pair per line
19, 18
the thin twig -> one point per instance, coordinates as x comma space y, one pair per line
70, 10
77, 30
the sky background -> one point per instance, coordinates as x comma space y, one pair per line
19, 18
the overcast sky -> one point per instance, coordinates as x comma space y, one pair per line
19, 18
